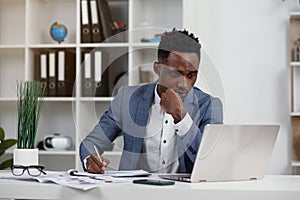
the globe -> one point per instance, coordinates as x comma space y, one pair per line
58, 32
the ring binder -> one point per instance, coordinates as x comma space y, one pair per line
95, 25
105, 18
85, 22
87, 78
97, 68
40, 73
65, 73
52, 74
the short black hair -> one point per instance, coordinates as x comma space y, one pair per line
177, 40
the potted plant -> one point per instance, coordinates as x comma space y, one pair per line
30, 97
4, 145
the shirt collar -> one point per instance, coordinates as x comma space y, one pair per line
156, 96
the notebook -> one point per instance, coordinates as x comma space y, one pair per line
231, 153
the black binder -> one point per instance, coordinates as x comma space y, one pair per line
52, 73
87, 75
105, 18
40, 69
117, 70
86, 36
97, 68
95, 23
65, 73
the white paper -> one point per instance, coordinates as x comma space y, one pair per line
130, 173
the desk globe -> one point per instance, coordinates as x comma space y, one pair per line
58, 32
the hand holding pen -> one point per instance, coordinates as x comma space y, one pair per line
95, 164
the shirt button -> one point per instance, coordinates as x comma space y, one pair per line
163, 162
166, 121
164, 141
176, 130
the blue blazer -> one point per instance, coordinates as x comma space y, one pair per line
128, 115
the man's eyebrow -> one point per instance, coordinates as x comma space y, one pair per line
190, 72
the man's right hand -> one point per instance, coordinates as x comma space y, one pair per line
94, 165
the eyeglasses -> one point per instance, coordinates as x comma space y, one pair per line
32, 170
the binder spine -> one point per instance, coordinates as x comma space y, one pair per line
97, 68
95, 24
52, 74
87, 78
105, 18
61, 75
40, 72
85, 22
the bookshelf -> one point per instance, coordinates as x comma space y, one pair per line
294, 26
24, 30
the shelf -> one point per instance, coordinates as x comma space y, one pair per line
46, 99
295, 114
98, 99
43, 46
145, 44
296, 64
94, 45
8, 99
59, 99
295, 163
12, 46
52, 152
295, 15
43, 152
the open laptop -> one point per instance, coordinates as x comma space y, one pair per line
231, 152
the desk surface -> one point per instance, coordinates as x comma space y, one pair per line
273, 187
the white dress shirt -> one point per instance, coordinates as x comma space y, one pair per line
159, 148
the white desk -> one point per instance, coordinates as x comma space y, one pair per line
271, 187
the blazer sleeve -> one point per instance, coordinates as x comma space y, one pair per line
105, 131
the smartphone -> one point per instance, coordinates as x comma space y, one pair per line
153, 182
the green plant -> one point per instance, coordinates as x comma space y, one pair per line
4, 145
30, 98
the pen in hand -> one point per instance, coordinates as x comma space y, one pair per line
97, 152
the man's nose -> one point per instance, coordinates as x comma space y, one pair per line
182, 82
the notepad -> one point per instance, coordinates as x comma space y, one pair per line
115, 174
129, 173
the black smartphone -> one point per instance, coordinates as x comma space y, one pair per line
153, 182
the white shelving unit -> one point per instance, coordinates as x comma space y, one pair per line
295, 83
24, 29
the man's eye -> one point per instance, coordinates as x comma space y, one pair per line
175, 74
191, 75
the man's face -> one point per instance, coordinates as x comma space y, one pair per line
178, 72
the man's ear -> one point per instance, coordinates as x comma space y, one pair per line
156, 68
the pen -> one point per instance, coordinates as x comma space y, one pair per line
97, 152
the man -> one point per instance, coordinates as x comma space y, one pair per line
162, 123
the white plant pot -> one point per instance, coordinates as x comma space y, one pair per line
26, 157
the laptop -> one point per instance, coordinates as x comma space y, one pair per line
231, 153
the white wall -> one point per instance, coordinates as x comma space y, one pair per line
248, 43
